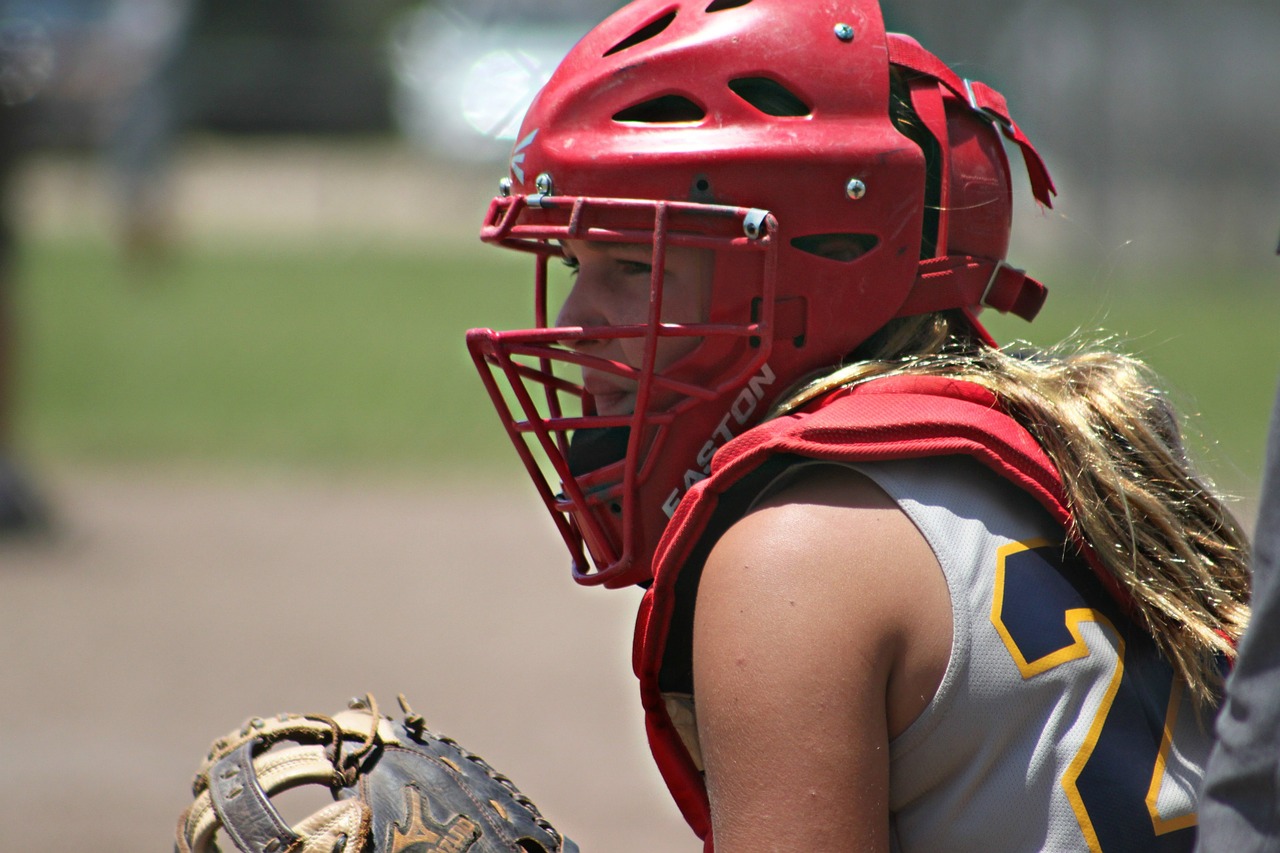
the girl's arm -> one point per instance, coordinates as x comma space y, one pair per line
822, 629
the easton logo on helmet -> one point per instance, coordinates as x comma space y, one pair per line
744, 406
517, 156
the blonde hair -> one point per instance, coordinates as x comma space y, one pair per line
1156, 525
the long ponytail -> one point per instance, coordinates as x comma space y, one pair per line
1155, 523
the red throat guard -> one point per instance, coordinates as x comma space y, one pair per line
760, 130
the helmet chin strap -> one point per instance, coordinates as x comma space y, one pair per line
961, 281
954, 279
906, 52
597, 447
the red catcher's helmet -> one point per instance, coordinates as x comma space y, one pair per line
761, 129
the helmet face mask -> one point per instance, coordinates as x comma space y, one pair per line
614, 288
761, 132
595, 461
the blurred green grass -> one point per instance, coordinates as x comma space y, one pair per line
307, 356
340, 357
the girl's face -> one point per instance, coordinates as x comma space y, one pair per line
611, 288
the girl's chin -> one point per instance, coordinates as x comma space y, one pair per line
612, 405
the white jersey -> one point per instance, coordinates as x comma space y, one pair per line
1056, 727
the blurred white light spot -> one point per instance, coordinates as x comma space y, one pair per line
498, 89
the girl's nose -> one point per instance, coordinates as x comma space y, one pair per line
581, 307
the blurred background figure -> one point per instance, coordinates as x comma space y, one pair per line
99, 73
25, 68
1240, 810
105, 76
147, 40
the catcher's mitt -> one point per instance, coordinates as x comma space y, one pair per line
397, 788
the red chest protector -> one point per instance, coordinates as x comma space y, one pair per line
891, 418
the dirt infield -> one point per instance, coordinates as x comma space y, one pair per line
173, 606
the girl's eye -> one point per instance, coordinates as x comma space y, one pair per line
634, 267
571, 263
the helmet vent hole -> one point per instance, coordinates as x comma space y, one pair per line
668, 109
643, 34
769, 96
721, 5
836, 247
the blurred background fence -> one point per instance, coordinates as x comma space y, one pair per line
1158, 117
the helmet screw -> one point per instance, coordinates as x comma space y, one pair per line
753, 224
855, 189
844, 32
544, 184
504, 187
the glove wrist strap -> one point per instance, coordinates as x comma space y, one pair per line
243, 807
